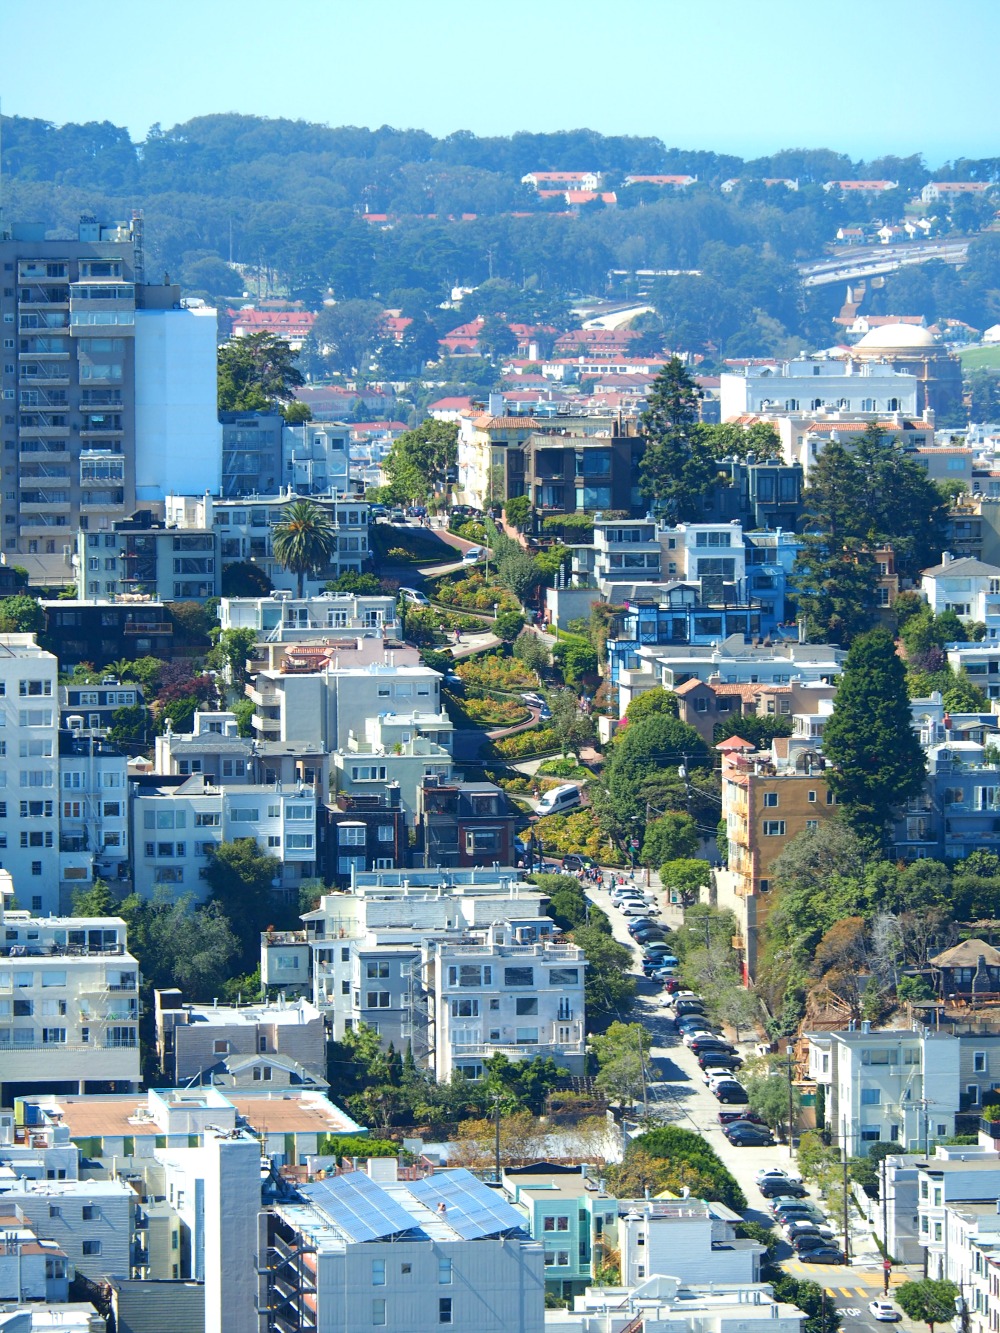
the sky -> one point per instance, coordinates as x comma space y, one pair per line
738, 76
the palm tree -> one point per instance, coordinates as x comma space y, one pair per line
305, 537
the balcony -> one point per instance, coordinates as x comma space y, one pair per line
101, 433
44, 506
271, 725
55, 380
106, 502
40, 299
147, 626
44, 432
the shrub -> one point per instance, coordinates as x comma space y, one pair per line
537, 740
496, 712
473, 593
491, 672
576, 832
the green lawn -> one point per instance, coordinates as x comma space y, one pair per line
980, 358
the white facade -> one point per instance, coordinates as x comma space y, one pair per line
954, 1179
178, 438
662, 1304
92, 1221
316, 458
176, 828
93, 810
969, 587
29, 777
498, 995
192, 1039
816, 385
283, 618
231, 1207
898, 1086
626, 551
69, 1004
696, 551
691, 1240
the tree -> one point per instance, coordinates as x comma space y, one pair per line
507, 625
930, 1300
256, 373
244, 579
669, 838
575, 658
651, 702
304, 538
419, 462
678, 467
231, 651
687, 876
766, 1081
573, 728
608, 989
691, 1155
877, 760
737, 1006
297, 413
529, 649
622, 1051
242, 881
517, 511
21, 614
346, 334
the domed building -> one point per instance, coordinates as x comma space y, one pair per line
914, 349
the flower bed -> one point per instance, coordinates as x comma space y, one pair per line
493, 712
537, 740
473, 593
491, 672
576, 832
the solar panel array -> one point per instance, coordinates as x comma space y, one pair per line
359, 1207
472, 1208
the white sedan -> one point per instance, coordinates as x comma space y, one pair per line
884, 1311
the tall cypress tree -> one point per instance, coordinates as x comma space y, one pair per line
679, 465
877, 760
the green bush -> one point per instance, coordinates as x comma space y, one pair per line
491, 672
684, 1147
537, 740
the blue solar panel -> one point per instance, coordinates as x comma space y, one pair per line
471, 1207
359, 1207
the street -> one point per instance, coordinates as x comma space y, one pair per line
678, 1095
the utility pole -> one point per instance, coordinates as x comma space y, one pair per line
642, 1068
847, 1224
496, 1137
791, 1113
885, 1231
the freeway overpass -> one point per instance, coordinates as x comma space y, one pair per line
872, 261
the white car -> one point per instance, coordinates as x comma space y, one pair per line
776, 1173
473, 555
884, 1311
712, 1075
414, 597
698, 1035
632, 908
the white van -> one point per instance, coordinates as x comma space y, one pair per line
559, 799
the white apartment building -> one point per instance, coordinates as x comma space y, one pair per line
972, 1260
284, 618
900, 1085
663, 1304
692, 1240
626, 551
92, 1221
367, 1250
705, 551
326, 701
175, 828
93, 811
404, 749
69, 1005
969, 587
499, 994
316, 458
244, 530
955, 1178
816, 384
31, 1268
29, 775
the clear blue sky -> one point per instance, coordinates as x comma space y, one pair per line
743, 76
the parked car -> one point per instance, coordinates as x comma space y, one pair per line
533, 700
777, 1172
810, 1238
884, 1311
742, 1135
773, 1189
671, 986
473, 555
732, 1094
711, 1044
728, 1117
796, 1230
635, 909
822, 1254
715, 1060
414, 596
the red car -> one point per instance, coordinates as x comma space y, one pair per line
671, 984
727, 1117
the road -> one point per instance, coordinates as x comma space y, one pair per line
677, 1095
869, 260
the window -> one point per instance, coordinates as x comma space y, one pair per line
525, 1005
871, 1097
972, 1093
812, 824
378, 999
519, 976
470, 974
88, 1212
444, 1310
555, 1223
774, 828
351, 835
378, 1272
245, 814
526, 1036
979, 1062
444, 1272
811, 796
385, 833
771, 799
300, 842
376, 970
378, 1313
465, 1008
91, 1247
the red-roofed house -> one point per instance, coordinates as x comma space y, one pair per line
934, 191
463, 341
562, 180
594, 341
292, 325
861, 187
675, 182
395, 324
449, 409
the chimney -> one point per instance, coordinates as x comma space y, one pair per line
866, 1025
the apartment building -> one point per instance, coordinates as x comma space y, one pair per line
950, 1183
31, 1268
92, 1222
107, 630
113, 382
244, 526
897, 1086
176, 825
571, 1214
69, 1005
251, 453
695, 1240
284, 618
316, 458
141, 555
464, 824
96, 705
93, 812
366, 1249
704, 704
660, 1303
324, 694
405, 750
503, 995
969, 587
816, 384
193, 1039
29, 814
367, 831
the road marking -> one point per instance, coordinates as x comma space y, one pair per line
845, 1291
848, 1311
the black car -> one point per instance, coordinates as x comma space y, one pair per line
822, 1254
811, 1239
732, 1097
701, 1044
728, 1117
575, 862
712, 1060
782, 1189
748, 1136
640, 923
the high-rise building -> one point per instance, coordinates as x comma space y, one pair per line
92, 358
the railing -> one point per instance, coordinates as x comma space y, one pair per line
148, 627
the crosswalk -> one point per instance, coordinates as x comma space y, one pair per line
844, 1285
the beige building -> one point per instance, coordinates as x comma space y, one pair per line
704, 704
768, 798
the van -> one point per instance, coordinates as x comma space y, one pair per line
557, 800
